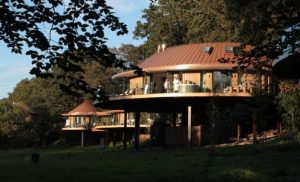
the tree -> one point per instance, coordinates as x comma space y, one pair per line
273, 29
45, 103
289, 105
56, 33
181, 22
13, 125
131, 54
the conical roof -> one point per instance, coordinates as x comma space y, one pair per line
84, 109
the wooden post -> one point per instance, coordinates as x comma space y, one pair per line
137, 130
238, 132
82, 138
279, 129
189, 126
254, 128
125, 131
174, 119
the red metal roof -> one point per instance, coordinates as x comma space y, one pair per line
189, 54
84, 109
187, 58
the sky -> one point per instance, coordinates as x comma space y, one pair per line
15, 67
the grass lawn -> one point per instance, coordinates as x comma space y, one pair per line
274, 161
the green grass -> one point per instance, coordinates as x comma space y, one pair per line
275, 161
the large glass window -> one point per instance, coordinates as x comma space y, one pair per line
226, 76
217, 81
221, 81
78, 121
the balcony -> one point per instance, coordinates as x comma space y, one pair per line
185, 90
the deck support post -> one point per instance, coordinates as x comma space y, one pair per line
254, 128
125, 131
189, 126
82, 138
279, 128
174, 119
137, 130
238, 132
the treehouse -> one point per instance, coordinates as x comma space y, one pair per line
182, 79
87, 119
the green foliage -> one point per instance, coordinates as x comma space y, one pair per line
93, 74
14, 131
59, 33
130, 54
42, 103
181, 22
274, 28
289, 105
219, 126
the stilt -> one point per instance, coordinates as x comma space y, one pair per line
137, 131
238, 132
279, 128
125, 131
82, 138
189, 120
174, 119
254, 129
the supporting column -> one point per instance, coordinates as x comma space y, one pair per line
82, 138
238, 132
189, 122
279, 128
125, 131
254, 128
174, 119
137, 130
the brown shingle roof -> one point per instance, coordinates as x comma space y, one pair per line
186, 57
84, 109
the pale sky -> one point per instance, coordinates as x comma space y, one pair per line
14, 68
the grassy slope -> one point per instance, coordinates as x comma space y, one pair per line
263, 162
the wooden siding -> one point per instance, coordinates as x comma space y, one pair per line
177, 136
191, 77
135, 82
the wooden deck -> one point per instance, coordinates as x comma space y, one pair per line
178, 95
74, 129
119, 126
103, 127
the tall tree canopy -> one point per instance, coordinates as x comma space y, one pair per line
176, 22
273, 27
270, 26
59, 33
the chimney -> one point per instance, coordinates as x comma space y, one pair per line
163, 47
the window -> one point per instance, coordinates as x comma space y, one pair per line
207, 50
229, 49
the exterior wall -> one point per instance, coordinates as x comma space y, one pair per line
78, 121
177, 136
191, 77
135, 82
